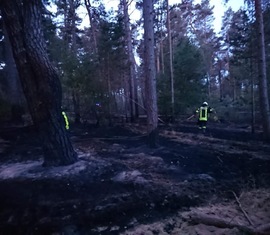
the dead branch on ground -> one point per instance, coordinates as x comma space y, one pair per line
199, 218
240, 206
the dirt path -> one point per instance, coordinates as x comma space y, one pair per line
119, 184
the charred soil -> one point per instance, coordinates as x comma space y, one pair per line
121, 186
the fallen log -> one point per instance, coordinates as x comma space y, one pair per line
264, 228
199, 218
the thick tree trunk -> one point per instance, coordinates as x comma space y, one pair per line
264, 101
150, 73
39, 79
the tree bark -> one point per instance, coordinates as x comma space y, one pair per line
109, 87
253, 116
209, 84
131, 65
76, 104
72, 17
150, 74
92, 22
40, 82
76, 94
264, 101
171, 59
220, 81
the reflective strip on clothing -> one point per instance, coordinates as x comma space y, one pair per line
66, 120
203, 115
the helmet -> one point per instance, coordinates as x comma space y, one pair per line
205, 103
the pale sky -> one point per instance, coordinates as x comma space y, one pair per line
219, 9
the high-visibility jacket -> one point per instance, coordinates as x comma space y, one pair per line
66, 119
203, 113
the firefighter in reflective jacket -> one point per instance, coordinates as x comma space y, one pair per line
65, 119
203, 113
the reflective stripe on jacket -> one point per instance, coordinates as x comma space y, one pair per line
203, 113
66, 119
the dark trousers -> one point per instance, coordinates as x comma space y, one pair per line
202, 124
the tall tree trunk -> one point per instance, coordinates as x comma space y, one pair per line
131, 64
150, 73
109, 86
220, 81
162, 57
92, 23
171, 59
264, 101
230, 78
66, 21
158, 58
76, 104
75, 92
72, 15
209, 85
234, 87
136, 95
252, 98
126, 99
40, 82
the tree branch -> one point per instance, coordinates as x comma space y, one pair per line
244, 212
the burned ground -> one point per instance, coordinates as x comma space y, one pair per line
120, 186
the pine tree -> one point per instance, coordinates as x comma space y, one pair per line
150, 73
39, 79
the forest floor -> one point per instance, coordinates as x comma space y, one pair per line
191, 184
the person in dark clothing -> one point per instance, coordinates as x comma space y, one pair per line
203, 113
